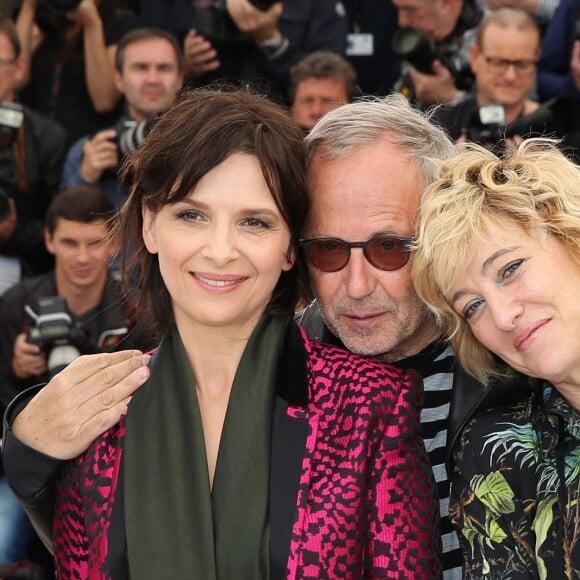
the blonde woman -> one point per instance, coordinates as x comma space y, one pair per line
498, 261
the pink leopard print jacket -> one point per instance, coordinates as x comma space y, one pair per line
365, 505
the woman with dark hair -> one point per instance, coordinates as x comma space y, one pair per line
251, 451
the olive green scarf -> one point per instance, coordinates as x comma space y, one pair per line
176, 527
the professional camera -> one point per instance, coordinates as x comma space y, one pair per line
211, 20
558, 117
130, 134
410, 45
11, 118
57, 335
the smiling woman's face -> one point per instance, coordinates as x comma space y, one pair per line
222, 249
519, 296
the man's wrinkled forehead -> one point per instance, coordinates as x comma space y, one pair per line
377, 186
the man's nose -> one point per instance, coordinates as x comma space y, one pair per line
359, 276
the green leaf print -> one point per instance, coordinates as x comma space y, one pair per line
541, 526
494, 492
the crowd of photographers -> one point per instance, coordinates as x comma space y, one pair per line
81, 82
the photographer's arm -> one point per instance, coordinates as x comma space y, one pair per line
199, 54
29, 35
575, 65
436, 89
99, 58
261, 26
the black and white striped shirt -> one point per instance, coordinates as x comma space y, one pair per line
435, 366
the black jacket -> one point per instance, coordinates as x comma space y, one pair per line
45, 143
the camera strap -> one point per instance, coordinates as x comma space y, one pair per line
20, 156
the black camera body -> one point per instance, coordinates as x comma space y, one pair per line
556, 118
54, 331
11, 119
130, 134
212, 21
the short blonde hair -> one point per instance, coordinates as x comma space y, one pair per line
536, 186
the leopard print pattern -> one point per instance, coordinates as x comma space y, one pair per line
366, 506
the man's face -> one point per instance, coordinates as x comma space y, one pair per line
81, 252
427, 16
10, 69
498, 81
316, 97
150, 78
372, 191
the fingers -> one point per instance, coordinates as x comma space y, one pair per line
200, 55
81, 402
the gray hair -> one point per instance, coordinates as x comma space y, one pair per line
369, 119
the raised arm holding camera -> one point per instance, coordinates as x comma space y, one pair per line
92, 317
32, 150
445, 30
245, 40
149, 73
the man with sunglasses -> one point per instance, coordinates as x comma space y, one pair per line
368, 165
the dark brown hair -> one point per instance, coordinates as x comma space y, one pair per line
195, 134
139, 34
82, 203
323, 64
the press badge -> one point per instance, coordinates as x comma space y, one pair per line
359, 44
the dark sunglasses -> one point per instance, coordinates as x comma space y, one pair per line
332, 254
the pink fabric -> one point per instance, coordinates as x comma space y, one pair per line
366, 505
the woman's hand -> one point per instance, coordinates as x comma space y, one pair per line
81, 403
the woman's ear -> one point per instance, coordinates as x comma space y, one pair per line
149, 233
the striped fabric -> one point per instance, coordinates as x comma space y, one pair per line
435, 364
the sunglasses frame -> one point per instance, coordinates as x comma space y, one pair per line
406, 242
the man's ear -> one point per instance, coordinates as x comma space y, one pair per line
148, 230
48, 241
119, 82
474, 53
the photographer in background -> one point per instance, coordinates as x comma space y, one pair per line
77, 234
149, 72
319, 83
70, 47
449, 26
503, 59
32, 151
249, 40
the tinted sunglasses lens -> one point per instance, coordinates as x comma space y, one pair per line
388, 253
328, 255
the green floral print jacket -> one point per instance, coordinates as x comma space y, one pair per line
516, 488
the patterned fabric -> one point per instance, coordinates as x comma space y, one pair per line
435, 365
355, 516
516, 491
